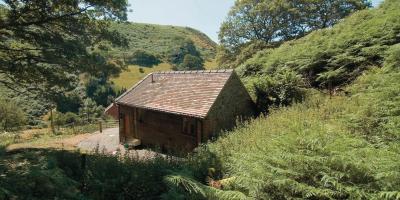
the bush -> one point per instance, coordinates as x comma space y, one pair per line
186, 47
191, 63
90, 111
143, 58
61, 119
100, 90
281, 89
12, 117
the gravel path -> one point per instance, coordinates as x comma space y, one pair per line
107, 141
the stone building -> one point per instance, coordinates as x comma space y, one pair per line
181, 109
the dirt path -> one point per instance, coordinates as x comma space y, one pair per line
107, 142
68, 143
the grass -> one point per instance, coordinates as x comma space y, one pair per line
132, 75
65, 138
161, 40
211, 64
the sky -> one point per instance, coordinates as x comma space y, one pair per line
203, 15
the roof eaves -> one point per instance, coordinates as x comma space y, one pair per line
163, 110
195, 71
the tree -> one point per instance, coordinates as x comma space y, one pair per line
186, 47
191, 62
90, 111
100, 90
143, 58
46, 44
71, 101
273, 21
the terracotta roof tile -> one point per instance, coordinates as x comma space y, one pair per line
190, 93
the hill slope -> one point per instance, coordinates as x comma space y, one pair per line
334, 56
161, 40
326, 147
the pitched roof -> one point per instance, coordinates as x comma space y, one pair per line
190, 93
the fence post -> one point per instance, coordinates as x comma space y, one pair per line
52, 121
100, 127
73, 128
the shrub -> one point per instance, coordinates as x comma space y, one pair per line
190, 63
143, 58
61, 119
281, 89
186, 47
12, 117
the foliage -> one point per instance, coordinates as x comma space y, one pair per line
70, 102
323, 148
191, 62
182, 186
49, 174
378, 101
281, 89
186, 47
274, 20
12, 117
100, 90
33, 104
143, 58
45, 44
61, 119
226, 59
334, 57
90, 111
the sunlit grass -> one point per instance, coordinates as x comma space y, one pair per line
211, 64
132, 75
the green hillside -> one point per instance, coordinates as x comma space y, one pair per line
330, 130
161, 40
341, 52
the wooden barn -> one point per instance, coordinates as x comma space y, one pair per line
181, 109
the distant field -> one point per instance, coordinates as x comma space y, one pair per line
210, 64
132, 75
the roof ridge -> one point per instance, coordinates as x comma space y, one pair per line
194, 71
133, 87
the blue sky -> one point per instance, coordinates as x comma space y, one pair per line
204, 15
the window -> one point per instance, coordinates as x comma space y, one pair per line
189, 126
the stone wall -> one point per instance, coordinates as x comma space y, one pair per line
232, 104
